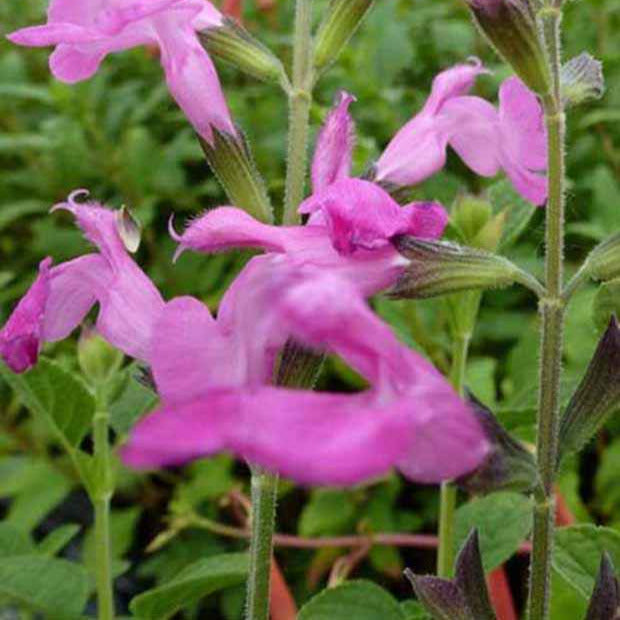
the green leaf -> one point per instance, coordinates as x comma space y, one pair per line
58, 538
362, 600
503, 521
40, 489
56, 395
57, 588
14, 541
133, 402
327, 512
577, 554
414, 610
519, 211
192, 584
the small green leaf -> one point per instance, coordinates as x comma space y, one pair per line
57, 588
54, 394
58, 538
503, 521
192, 584
362, 600
577, 554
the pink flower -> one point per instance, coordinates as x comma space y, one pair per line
213, 377
62, 296
85, 31
487, 140
349, 231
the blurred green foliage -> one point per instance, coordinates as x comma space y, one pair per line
121, 136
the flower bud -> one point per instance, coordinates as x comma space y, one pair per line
605, 601
582, 80
509, 466
465, 597
231, 161
340, 23
98, 361
478, 226
603, 263
597, 395
439, 267
235, 45
510, 26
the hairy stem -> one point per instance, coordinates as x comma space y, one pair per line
447, 505
552, 321
264, 491
105, 594
300, 100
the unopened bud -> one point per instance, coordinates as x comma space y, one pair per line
582, 80
597, 395
478, 226
463, 598
439, 267
340, 23
98, 360
128, 229
605, 601
231, 161
235, 45
510, 26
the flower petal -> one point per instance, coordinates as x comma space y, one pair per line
192, 78
310, 437
189, 353
426, 220
334, 145
473, 130
358, 214
71, 64
21, 336
522, 119
443, 425
453, 82
73, 292
53, 34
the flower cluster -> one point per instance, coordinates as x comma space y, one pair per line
214, 375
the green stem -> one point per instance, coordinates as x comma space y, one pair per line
105, 594
264, 492
447, 505
300, 100
552, 323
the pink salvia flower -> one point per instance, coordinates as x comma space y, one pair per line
85, 31
349, 231
334, 145
62, 296
213, 375
488, 140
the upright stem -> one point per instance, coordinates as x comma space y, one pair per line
264, 491
105, 594
264, 484
447, 505
552, 322
300, 100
